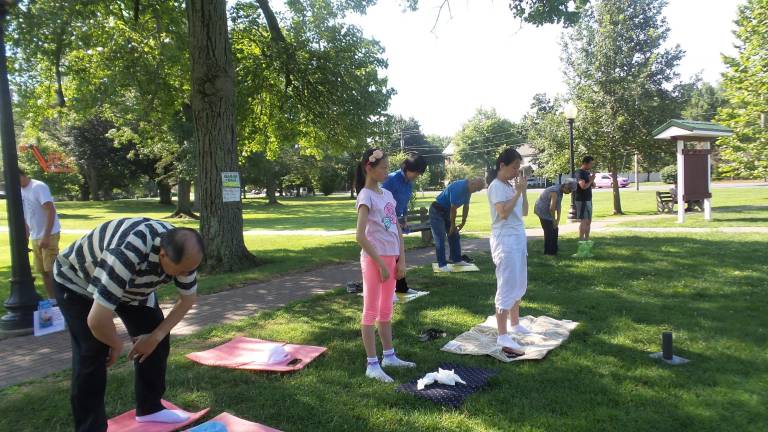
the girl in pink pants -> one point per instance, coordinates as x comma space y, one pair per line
382, 260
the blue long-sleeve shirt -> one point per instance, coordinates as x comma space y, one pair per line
402, 189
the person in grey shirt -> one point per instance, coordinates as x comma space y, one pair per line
548, 209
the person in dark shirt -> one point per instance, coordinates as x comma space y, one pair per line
582, 200
400, 183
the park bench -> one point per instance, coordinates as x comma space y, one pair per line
664, 202
423, 226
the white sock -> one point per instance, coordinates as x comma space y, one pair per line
164, 416
391, 360
375, 371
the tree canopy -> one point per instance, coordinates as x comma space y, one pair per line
623, 80
745, 86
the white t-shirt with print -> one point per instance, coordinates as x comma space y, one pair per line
34, 196
381, 229
499, 192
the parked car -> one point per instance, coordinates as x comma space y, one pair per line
537, 182
604, 180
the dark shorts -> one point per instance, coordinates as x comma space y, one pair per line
583, 210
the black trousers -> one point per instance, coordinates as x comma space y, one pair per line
89, 360
550, 236
401, 286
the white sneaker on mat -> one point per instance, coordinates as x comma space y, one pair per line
462, 264
444, 269
506, 341
521, 329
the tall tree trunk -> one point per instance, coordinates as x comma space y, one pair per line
60, 101
85, 191
164, 191
184, 201
271, 188
93, 184
213, 109
106, 193
616, 196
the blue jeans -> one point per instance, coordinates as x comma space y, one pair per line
440, 221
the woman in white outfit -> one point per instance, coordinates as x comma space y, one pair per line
509, 247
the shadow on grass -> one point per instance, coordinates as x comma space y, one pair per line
710, 292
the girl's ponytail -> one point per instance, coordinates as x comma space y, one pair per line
359, 177
492, 173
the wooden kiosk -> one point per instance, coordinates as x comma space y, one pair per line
694, 160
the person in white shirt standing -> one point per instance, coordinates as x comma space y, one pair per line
507, 196
43, 227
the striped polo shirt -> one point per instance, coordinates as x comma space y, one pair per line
119, 262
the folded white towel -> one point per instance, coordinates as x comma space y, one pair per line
442, 376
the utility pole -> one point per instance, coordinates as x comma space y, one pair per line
637, 173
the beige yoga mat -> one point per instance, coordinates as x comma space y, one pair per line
546, 334
456, 268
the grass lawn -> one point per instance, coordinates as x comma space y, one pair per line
280, 255
283, 254
709, 291
729, 209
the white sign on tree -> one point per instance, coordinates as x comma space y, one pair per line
230, 184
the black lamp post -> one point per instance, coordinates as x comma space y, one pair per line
570, 113
23, 298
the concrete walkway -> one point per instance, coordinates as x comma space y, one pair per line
29, 357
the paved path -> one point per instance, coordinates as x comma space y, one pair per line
28, 357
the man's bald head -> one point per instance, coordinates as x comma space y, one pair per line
181, 251
476, 184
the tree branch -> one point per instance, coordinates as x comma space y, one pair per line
272, 23
439, 11
278, 38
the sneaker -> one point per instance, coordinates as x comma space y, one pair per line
462, 263
395, 362
506, 341
377, 373
444, 269
521, 329
395, 298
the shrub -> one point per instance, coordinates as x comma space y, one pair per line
669, 174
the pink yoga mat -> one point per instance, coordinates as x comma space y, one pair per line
126, 422
239, 353
235, 424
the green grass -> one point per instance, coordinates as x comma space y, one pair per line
755, 215
280, 255
283, 254
710, 291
